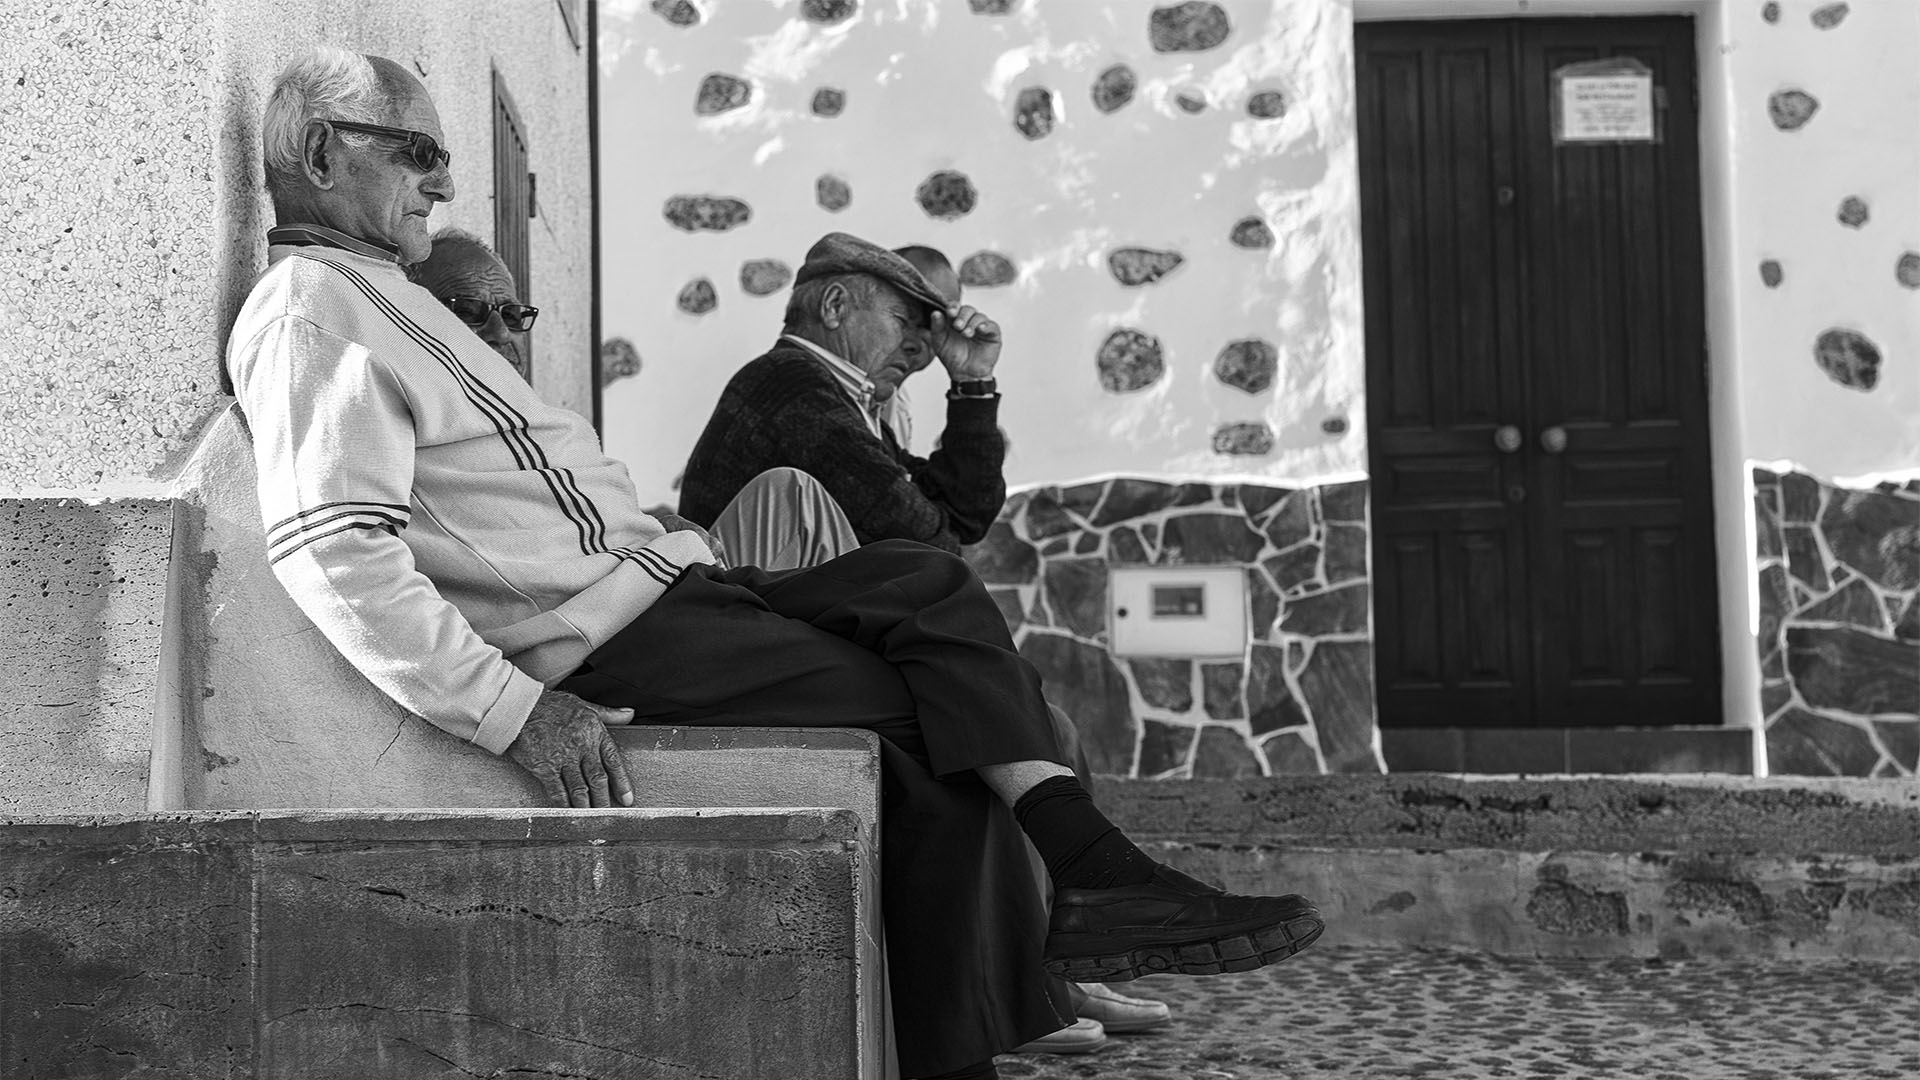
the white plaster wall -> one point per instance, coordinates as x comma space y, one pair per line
1788, 186
133, 216
931, 86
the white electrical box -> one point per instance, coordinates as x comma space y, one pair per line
1188, 611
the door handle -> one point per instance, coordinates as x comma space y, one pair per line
1554, 439
1507, 438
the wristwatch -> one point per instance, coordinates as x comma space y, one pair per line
973, 388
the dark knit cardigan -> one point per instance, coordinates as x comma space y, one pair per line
785, 409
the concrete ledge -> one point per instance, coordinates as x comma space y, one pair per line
1575, 867
651, 943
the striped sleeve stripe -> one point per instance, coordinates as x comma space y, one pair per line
651, 569
509, 422
310, 511
301, 523
659, 562
308, 538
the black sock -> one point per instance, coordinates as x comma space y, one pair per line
1082, 849
982, 1070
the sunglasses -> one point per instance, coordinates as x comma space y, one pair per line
423, 149
474, 311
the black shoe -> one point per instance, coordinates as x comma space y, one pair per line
1172, 924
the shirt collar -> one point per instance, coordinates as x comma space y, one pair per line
302, 234
858, 388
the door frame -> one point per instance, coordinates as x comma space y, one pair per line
1732, 486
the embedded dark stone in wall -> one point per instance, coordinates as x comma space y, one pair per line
1853, 212
1907, 270
1223, 753
1848, 358
706, 213
1082, 498
1045, 516
1248, 365
764, 277
1125, 549
1130, 360
1164, 747
1799, 498
1828, 16
1801, 743
828, 12
1142, 266
947, 195
677, 12
1264, 604
1197, 539
1770, 273
697, 297
1877, 535
1082, 680
1337, 683
1129, 498
1336, 611
618, 360
1853, 671
1002, 558
1289, 755
1562, 908
1270, 705
1257, 499
1189, 101
1345, 501
1346, 553
1114, 88
1220, 691
1243, 439
1077, 594
987, 269
832, 193
1033, 112
1791, 109
1164, 684
722, 93
1334, 425
1902, 740
1190, 27
1251, 232
1853, 603
1803, 558
1267, 105
1770, 11
829, 101
992, 7
1293, 522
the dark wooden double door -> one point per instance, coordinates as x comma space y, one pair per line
1536, 383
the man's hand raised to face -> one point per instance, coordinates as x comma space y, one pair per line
565, 745
967, 342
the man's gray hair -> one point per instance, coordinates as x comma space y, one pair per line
322, 83
449, 239
803, 307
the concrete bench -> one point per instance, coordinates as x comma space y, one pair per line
268, 752
410, 945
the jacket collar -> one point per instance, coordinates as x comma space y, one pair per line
302, 234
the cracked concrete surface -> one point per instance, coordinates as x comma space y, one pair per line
1367, 1013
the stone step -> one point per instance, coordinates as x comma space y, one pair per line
664, 942
1577, 866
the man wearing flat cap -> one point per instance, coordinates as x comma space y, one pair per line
473, 553
860, 320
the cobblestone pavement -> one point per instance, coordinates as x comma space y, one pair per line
1360, 1013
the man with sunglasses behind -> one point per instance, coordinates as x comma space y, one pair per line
463, 273
471, 551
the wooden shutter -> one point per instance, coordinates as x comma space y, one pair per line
513, 195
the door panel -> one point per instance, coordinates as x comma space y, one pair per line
1556, 290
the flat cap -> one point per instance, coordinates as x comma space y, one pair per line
842, 253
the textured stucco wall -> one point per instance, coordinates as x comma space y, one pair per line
82, 590
134, 212
1792, 187
936, 86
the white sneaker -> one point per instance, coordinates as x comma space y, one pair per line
1084, 1037
1117, 1012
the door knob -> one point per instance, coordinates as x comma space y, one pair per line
1507, 438
1554, 439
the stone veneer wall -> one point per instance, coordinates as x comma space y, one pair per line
1839, 625
1299, 699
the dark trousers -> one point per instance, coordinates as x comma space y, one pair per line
903, 640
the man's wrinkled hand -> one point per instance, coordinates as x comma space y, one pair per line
566, 746
676, 523
967, 342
